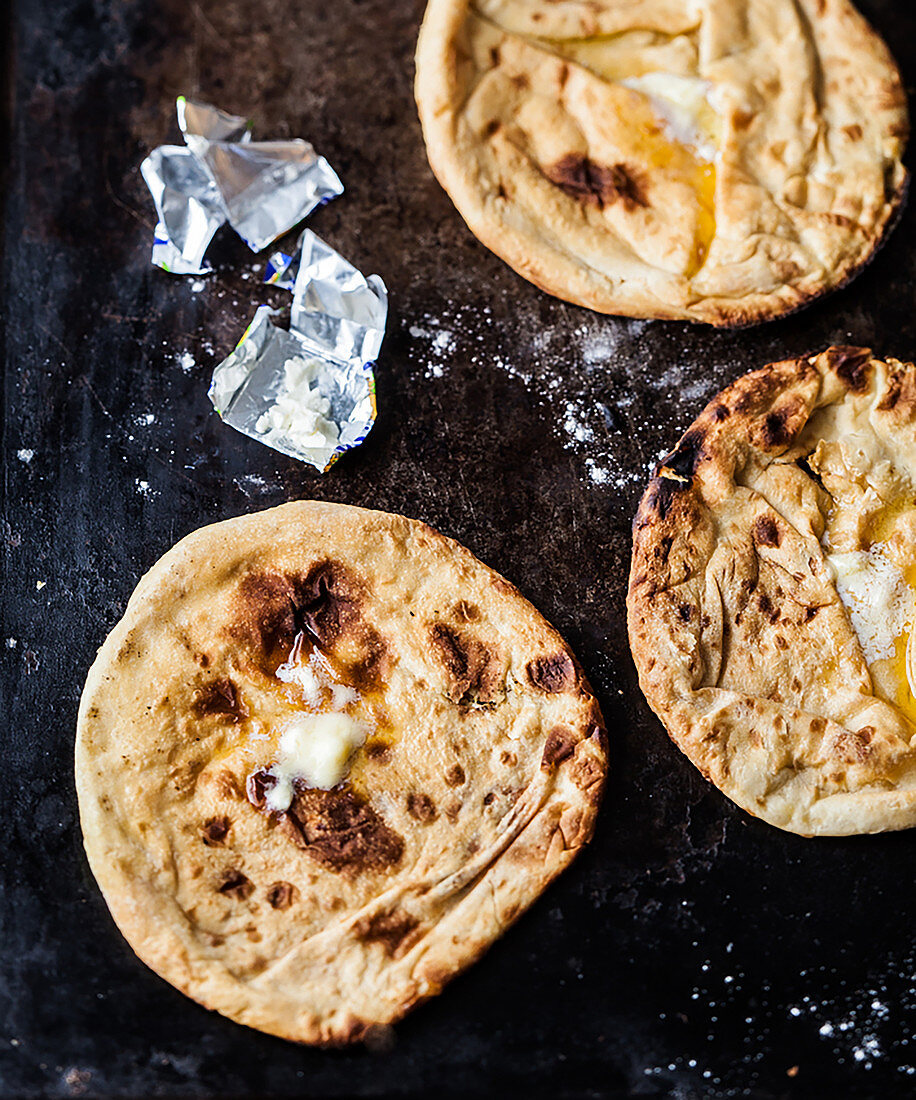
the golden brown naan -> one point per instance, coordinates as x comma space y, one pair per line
700, 160
773, 593
478, 782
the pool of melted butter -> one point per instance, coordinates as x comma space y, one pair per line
254, 742
889, 527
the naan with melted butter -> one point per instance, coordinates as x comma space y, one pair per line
702, 160
772, 597
461, 750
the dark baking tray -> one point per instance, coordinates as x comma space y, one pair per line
692, 951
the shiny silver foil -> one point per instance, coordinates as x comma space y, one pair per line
198, 120
337, 327
262, 188
339, 310
189, 209
269, 186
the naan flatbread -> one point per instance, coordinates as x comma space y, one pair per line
772, 598
474, 780
685, 159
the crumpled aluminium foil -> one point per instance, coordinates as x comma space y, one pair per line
338, 322
188, 206
262, 188
201, 122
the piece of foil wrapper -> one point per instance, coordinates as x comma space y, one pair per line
338, 319
199, 121
269, 186
262, 188
189, 209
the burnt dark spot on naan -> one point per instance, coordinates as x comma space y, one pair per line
219, 698
341, 831
391, 930
455, 776
766, 531
559, 745
851, 365
552, 674
325, 605
235, 885
214, 830
421, 807
473, 669
266, 616
337, 828
597, 184
281, 895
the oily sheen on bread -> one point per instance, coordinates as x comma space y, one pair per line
723, 162
476, 782
772, 588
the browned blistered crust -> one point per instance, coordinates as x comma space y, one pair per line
742, 644
544, 154
478, 784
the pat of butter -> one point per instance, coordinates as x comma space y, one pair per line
300, 414
682, 103
314, 678
880, 603
316, 748
304, 677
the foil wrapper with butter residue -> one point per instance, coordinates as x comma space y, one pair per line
261, 188
309, 392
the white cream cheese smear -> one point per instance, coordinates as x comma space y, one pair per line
682, 103
316, 748
299, 416
881, 605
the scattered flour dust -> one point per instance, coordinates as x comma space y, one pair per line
25, 454
597, 385
440, 343
600, 475
252, 484
185, 360
855, 1031
575, 421
145, 489
866, 1026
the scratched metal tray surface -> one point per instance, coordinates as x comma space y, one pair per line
692, 951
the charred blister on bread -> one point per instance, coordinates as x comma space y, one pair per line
394, 931
220, 698
326, 604
560, 745
552, 674
597, 184
215, 830
475, 670
236, 885
336, 828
